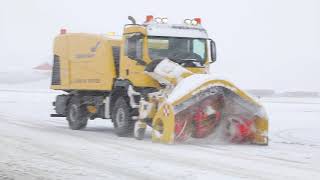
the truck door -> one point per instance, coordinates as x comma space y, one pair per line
132, 62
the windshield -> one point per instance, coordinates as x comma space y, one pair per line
180, 50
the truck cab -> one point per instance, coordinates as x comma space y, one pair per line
187, 44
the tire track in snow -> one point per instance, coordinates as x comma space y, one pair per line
226, 169
159, 156
78, 160
289, 135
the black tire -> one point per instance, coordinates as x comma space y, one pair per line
140, 133
76, 114
121, 118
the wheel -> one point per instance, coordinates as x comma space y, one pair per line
140, 134
76, 115
139, 130
121, 118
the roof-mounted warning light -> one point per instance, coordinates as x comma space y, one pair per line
149, 18
198, 20
194, 22
159, 20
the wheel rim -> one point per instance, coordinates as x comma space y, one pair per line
120, 117
73, 113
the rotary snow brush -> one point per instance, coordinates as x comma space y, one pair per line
201, 106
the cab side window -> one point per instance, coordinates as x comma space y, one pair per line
134, 46
199, 47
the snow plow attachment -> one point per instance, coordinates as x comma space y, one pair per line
201, 106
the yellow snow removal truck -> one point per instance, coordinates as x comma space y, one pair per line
157, 75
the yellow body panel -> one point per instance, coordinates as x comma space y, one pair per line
163, 125
135, 29
134, 72
86, 61
130, 69
201, 70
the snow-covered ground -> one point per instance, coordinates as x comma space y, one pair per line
36, 146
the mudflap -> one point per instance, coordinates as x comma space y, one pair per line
214, 110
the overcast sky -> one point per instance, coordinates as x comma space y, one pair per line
261, 43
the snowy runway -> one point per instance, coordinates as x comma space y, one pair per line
36, 146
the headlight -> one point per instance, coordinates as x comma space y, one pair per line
158, 20
161, 20
188, 21
194, 22
164, 20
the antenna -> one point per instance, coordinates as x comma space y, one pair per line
132, 19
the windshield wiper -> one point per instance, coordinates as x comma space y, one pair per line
189, 59
183, 62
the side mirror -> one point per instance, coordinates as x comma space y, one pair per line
213, 51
